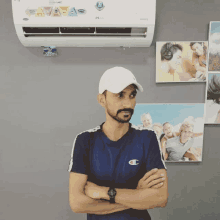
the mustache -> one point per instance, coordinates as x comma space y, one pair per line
127, 110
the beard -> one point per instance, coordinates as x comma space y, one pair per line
122, 120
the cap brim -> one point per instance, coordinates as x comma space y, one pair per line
140, 88
119, 89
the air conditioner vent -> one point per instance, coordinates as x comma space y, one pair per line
77, 30
113, 30
40, 30
84, 32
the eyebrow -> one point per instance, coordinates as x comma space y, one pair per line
122, 92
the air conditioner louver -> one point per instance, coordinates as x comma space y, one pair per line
84, 32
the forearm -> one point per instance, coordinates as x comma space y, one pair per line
85, 204
111, 208
166, 156
190, 156
140, 198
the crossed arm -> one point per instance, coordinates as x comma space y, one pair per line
85, 197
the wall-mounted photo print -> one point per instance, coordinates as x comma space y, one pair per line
179, 129
213, 99
214, 46
183, 61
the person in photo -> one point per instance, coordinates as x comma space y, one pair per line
171, 59
213, 97
158, 128
146, 120
199, 59
181, 148
168, 134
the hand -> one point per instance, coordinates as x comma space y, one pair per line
191, 156
151, 179
93, 191
196, 151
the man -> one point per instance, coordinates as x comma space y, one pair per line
171, 60
146, 120
112, 167
182, 146
168, 134
199, 59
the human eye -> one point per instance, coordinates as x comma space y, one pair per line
120, 95
133, 94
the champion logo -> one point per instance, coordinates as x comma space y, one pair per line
133, 162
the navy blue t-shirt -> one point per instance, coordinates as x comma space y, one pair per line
119, 163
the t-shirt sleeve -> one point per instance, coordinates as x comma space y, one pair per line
154, 155
79, 161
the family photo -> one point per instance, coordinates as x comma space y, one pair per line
179, 128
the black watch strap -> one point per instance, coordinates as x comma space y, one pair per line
112, 193
112, 200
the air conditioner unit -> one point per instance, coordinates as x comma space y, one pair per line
84, 23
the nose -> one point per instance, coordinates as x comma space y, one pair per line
127, 103
188, 134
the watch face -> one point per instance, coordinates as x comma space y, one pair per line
112, 192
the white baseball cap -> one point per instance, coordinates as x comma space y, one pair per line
116, 79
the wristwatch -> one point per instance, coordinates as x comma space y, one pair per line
112, 193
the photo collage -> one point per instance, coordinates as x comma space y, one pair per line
180, 127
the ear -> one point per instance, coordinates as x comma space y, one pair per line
101, 99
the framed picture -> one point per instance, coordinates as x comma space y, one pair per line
182, 61
179, 129
212, 110
214, 46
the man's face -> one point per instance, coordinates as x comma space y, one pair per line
168, 130
186, 134
176, 60
120, 106
197, 49
147, 122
